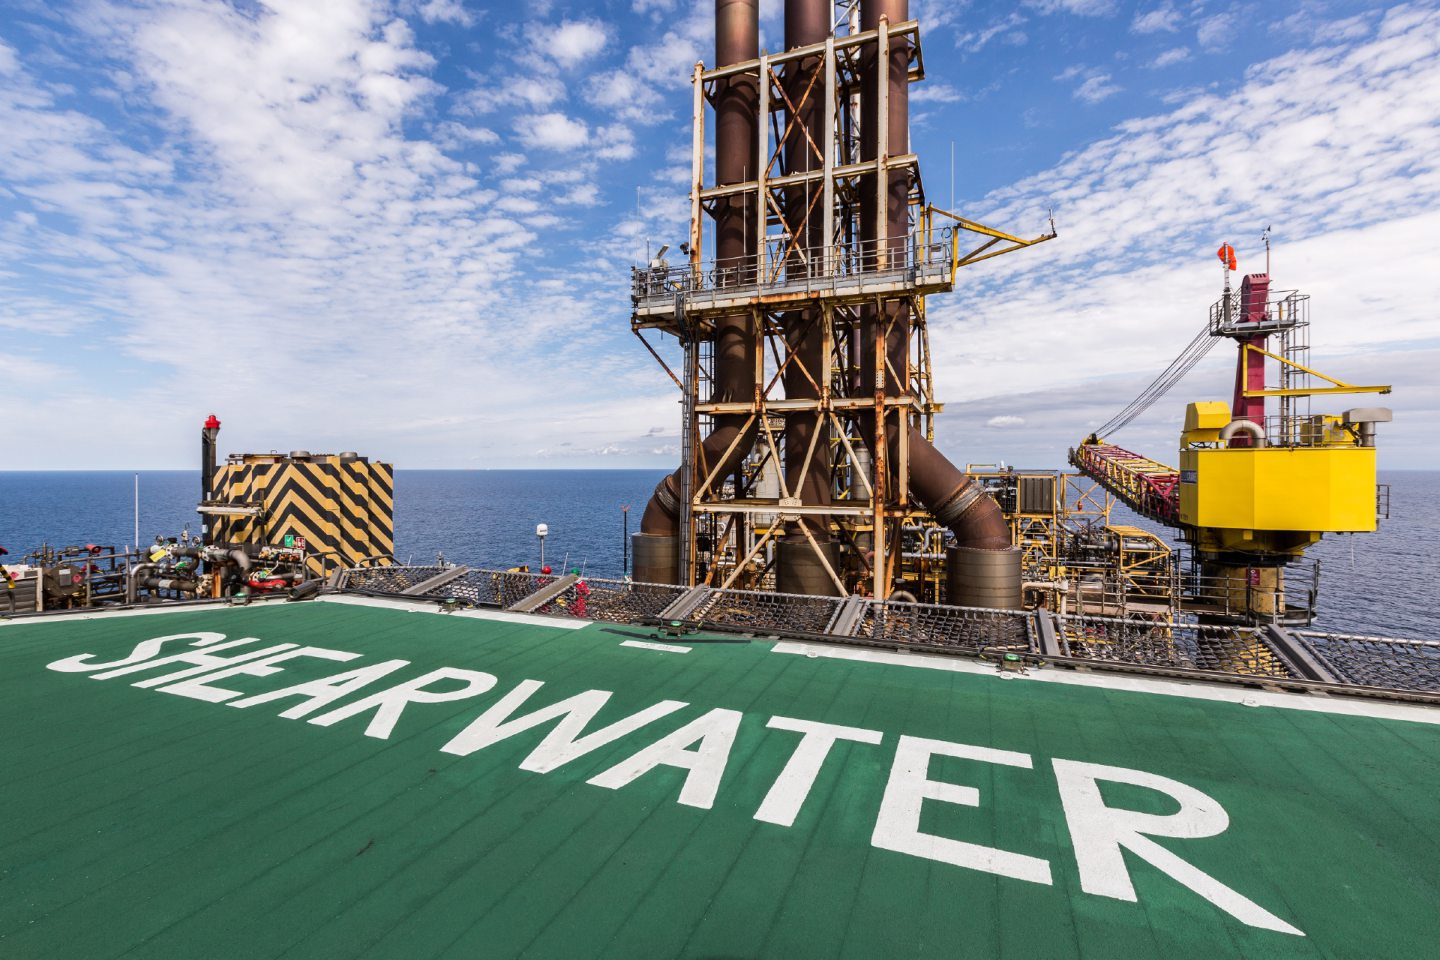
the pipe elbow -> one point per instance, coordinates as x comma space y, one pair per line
974, 517
1247, 427
662, 513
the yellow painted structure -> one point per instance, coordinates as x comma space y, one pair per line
1252, 489
1204, 420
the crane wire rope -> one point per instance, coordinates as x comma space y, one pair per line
1161, 385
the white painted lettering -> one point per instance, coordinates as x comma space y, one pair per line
198, 688
389, 704
202, 661
1099, 833
897, 827
563, 743
324, 691
144, 650
782, 804
715, 731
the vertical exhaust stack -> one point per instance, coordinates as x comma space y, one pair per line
737, 39
799, 568
208, 435
954, 499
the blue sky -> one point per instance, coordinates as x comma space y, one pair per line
406, 227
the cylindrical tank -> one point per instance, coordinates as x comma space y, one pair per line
983, 578
656, 558
1258, 591
799, 570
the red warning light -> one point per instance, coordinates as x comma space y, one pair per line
212, 423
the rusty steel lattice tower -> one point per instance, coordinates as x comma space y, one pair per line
806, 388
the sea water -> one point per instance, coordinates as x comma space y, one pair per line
1381, 583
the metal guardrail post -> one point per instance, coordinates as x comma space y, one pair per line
1049, 640
439, 580
1300, 661
686, 603
847, 618
538, 599
685, 544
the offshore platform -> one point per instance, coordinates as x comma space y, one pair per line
808, 465
850, 687
810, 495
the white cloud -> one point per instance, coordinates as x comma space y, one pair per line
276, 212
517, 205
573, 41
1005, 422
1006, 28
1084, 8
936, 91
534, 91
1352, 28
552, 131
1172, 56
508, 163
9, 60
453, 135
582, 195
446, 11
1214, 32
1097, 88
1309, 23
614, 142
624, 93
1163, 19
636, 91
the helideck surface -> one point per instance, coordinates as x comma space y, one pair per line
137, 821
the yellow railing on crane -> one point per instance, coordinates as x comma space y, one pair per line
983, 251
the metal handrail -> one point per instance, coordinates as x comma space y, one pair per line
806, 268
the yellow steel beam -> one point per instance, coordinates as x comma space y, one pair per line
976, 255
1340, 386
1316, 391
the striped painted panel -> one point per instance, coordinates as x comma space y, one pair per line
343, 510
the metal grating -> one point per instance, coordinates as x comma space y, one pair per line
1184, 646
1377, 661
1241, 652
389, 579
768, 612
966, 628
490, 588
615, 601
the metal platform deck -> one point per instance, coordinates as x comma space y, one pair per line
708, 794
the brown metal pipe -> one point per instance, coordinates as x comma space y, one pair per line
806, 22
737, 98
956, 501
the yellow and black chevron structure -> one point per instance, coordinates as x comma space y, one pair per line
341, 506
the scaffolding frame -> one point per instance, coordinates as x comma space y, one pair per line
727, 529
